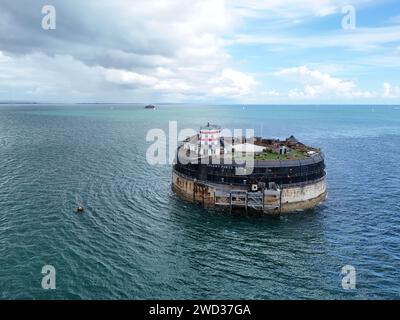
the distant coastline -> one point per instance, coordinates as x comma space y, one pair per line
201, 104
19, 102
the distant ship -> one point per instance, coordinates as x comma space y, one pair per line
150, 106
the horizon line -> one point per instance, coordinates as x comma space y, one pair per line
201, 104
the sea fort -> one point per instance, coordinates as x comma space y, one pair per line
284, 176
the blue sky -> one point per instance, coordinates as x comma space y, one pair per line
205, 51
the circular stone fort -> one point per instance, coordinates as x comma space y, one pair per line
250, 175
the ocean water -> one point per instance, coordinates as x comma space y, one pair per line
136, 240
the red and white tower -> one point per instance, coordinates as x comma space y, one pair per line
209, 140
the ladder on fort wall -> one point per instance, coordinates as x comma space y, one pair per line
248, 200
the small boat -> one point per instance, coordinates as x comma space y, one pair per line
150, 106
80, 209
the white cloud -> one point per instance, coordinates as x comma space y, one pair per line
4, 58
390, 91
292, 9
232, 83
316, 84
128, 78
161, 49
360, 39
38, 76
270, 93
394, 20
170, 49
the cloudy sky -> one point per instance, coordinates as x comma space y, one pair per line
201, 51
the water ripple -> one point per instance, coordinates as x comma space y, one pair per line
137, 240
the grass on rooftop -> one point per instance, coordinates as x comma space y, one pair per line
269, 155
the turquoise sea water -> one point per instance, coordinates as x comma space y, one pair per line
136, 240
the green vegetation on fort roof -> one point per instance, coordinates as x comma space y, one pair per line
269, 155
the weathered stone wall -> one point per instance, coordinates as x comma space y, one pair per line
193, 191
303, 193
292, 198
